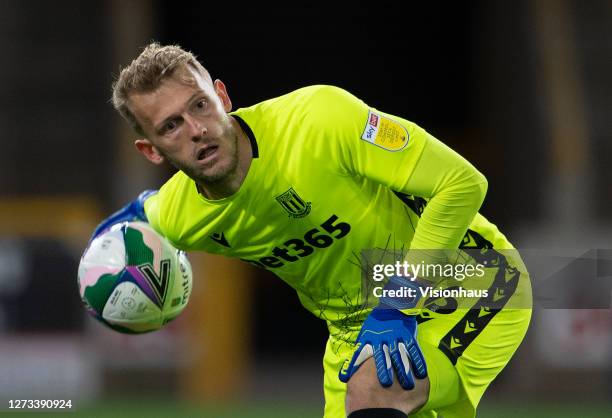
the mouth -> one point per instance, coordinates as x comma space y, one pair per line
207, 153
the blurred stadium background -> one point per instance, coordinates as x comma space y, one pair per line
522, 89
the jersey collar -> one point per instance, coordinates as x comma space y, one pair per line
247, 130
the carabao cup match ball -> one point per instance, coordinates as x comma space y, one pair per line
133, 280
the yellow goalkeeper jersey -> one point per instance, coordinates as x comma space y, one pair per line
330, 177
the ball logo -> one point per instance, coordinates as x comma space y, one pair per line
159, 283
128, 303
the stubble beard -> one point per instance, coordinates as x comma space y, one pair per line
219, 175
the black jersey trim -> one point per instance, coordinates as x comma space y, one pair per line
247, 130
465, 331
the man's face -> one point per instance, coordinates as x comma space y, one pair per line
186, 123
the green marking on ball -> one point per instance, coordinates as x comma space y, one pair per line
98, 294
137, 251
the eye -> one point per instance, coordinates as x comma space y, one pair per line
169, 126
201, 104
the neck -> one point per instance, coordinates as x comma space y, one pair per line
230, 185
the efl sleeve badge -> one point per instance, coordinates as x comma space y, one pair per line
385, 133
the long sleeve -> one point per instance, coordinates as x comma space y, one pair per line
455, 190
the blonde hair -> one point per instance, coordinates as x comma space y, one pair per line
145, 74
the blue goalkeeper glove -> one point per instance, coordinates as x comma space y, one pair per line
133, 211
390, 336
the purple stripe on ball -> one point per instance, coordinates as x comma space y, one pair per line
143, 283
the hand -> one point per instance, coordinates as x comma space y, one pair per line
389, 336
133, 211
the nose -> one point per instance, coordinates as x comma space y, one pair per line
197, 129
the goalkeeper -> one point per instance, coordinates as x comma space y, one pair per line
302, 185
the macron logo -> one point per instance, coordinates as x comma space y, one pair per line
220, 239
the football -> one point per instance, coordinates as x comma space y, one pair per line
133, 280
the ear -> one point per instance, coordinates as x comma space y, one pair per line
146, 148
221, 91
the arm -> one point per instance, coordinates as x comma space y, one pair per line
421, 166
455, 190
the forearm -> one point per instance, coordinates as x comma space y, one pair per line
455, 190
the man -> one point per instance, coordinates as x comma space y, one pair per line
305, 185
